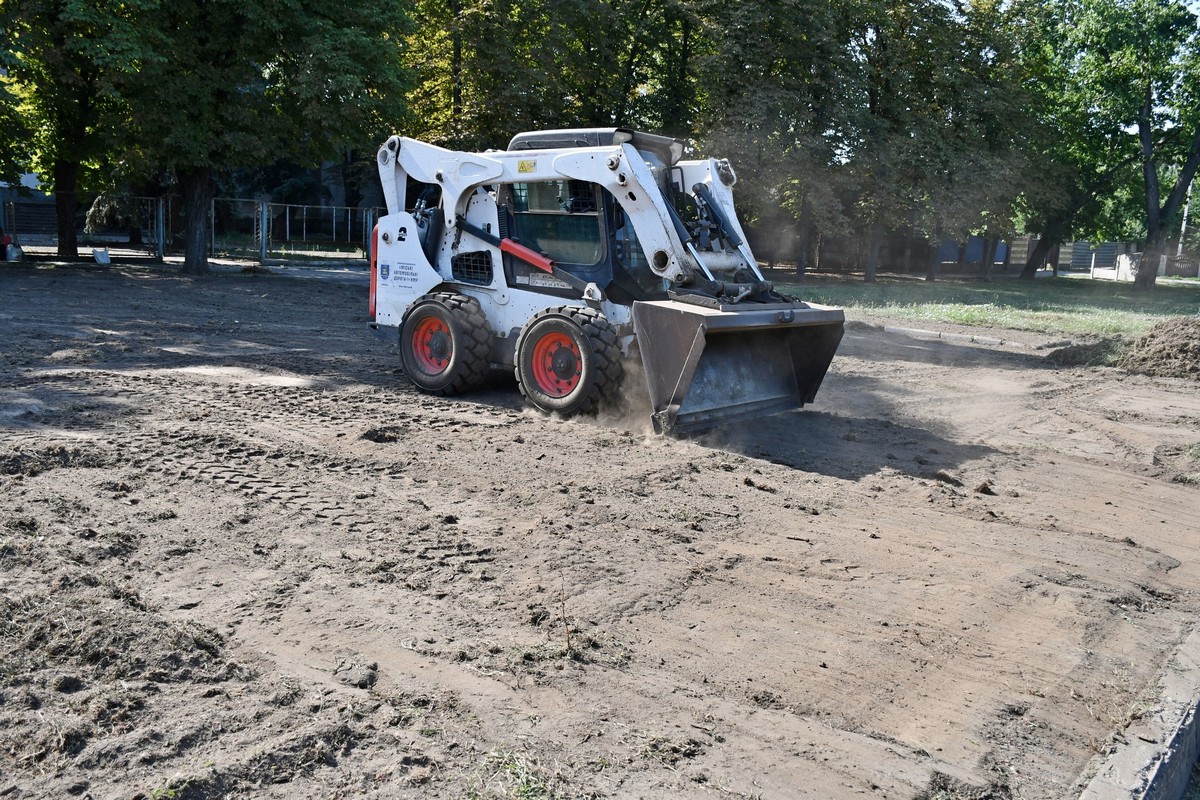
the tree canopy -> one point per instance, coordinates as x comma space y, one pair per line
183, 90
65, 59
1118, 85
847, 119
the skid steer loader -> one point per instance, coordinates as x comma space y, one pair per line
573, 252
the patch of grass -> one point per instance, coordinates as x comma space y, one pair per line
512, 776
1064, 306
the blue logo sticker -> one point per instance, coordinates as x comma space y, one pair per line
383, 271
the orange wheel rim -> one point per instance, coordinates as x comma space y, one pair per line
432, 345
557, 364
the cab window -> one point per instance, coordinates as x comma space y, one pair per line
559, 218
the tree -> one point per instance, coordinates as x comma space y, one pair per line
780, 86
869, 115
14, 135
1119, 98
944, 154
66, 60
907, 158
487, 69
1141, 59
236, 83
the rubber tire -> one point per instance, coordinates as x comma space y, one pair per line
601, 370
470, 343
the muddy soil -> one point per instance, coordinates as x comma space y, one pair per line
240, 555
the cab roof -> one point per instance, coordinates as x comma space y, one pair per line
667, 146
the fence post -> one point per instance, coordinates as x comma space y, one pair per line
160, 238
262, 232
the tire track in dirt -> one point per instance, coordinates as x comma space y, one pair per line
309, 485
296, 474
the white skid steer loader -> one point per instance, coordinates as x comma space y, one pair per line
569, 253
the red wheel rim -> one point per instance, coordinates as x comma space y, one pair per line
557, 364
432, 345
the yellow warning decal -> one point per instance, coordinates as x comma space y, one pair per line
527, 166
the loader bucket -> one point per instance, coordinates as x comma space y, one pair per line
710, 365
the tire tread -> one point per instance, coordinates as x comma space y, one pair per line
477, 340
606, 355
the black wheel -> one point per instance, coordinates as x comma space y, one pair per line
568, 361
445, 342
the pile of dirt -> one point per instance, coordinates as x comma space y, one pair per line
1171, 349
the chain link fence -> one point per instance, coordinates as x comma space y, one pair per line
240, 228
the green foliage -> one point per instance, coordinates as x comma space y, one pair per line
487, 70
65, 61
14, 134
779, 80
230, 83
868, 115
511, 775
1119, 106
148, 88
842, 117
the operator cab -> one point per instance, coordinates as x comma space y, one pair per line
579, 224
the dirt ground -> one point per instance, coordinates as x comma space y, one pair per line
241, 556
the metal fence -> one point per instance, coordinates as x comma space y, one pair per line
239, 227
283, 230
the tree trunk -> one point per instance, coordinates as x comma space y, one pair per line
1037, 257
989, 257
1055, 255
352, 191
1147, 273
197, 198
66, 174
805, 237
935, 249
872, 260
680, 106
1158, 220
